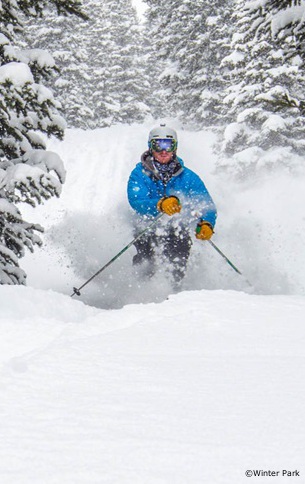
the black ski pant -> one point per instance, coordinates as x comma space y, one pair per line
174, 246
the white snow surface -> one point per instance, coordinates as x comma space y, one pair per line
132, 384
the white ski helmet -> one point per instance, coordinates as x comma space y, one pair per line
162, 132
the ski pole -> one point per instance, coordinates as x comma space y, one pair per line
228, 260
77, 290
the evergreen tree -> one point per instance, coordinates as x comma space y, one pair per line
160, 65
28, 173
121, 87
188, 41
65, 37
103, 76
265, 101
210, 79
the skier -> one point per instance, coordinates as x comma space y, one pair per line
161, 183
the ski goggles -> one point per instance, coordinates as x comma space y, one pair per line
160, 144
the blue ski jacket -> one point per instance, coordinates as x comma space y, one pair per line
145, 190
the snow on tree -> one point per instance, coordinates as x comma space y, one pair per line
264, 104
28, 111
65, 38
158, 64
209, 79
188, 40
103, 76
120, 85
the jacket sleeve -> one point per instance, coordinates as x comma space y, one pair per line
200, 198
142, 198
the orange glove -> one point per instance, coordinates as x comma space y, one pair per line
204, 231
169, 205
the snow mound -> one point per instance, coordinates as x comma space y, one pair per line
150, 393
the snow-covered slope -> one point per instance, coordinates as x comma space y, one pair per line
260, 227
147, 386
200, 388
